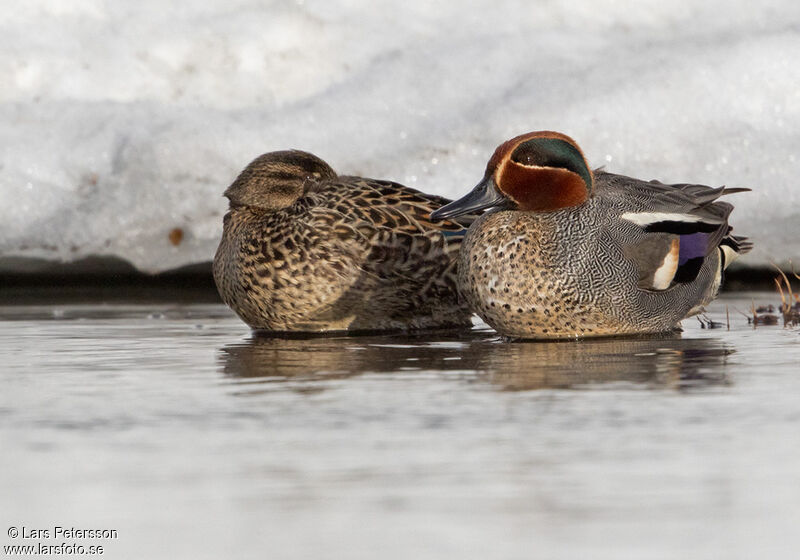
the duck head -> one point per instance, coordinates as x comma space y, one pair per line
276, 180
536, 172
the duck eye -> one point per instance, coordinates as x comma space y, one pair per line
526, 156
549, 152
545, 152
552, 152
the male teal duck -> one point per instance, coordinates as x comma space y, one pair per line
306, 250
568, 252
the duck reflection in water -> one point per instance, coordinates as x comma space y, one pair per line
664, 361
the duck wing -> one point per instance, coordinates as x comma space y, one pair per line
680, 225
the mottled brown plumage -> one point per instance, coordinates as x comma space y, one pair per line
306, 250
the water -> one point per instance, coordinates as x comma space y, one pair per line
175, 426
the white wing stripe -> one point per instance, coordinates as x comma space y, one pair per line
647, 218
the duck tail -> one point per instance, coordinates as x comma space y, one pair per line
732, 247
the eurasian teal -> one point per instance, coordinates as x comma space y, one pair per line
306, 250
568, 252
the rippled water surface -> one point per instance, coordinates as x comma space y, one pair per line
195, 439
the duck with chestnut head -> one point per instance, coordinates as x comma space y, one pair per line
567, 252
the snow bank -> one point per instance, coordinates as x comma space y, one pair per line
123, 122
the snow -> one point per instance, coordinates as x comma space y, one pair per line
124, 121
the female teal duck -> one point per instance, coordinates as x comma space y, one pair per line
572, 253
306, 250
